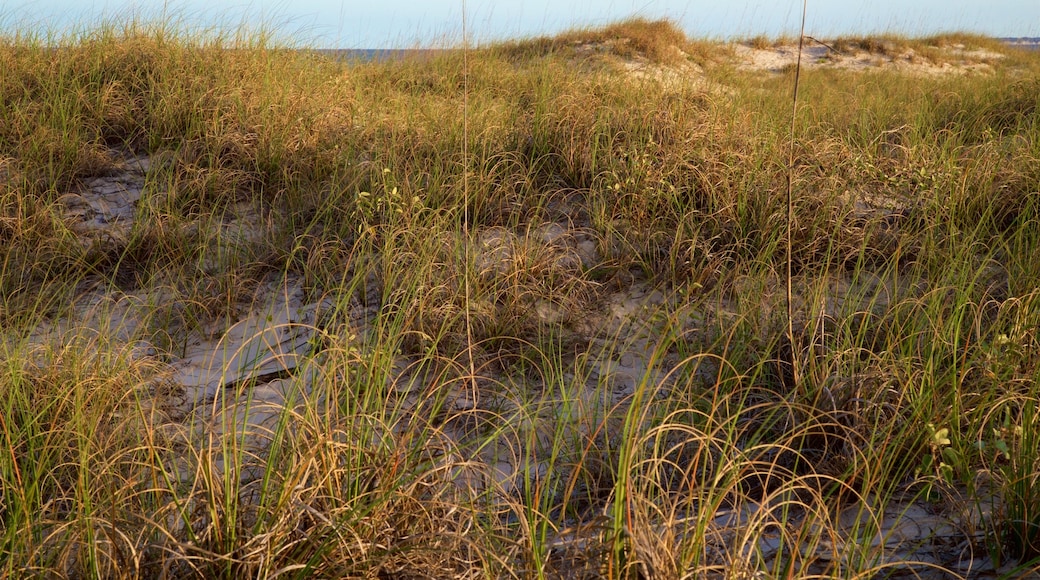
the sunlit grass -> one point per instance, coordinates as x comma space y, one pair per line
913, 249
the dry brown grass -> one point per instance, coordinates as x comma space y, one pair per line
658, 41
948, 48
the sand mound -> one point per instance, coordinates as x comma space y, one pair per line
864, 55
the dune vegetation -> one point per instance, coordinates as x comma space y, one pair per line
517, 310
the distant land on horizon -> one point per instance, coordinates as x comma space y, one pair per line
1029, 42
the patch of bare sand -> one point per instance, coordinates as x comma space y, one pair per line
679, 72
687, 75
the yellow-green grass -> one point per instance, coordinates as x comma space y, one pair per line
362, 172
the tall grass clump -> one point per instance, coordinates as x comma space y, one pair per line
551, 334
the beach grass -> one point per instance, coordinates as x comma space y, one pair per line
916, 225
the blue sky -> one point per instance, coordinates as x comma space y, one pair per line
409, 23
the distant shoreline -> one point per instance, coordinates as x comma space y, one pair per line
1027, 42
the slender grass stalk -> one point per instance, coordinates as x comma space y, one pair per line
466, 282
789, 279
